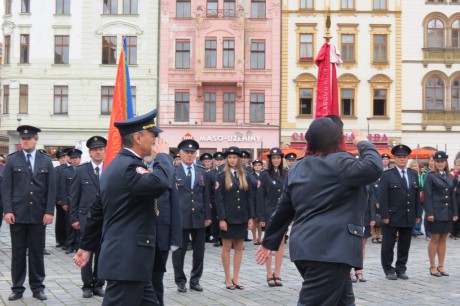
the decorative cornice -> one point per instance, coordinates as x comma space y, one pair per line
7, 27
119, 27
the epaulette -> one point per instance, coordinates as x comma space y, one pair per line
43, 152
200, 166
83, 164
13, 153
300, 158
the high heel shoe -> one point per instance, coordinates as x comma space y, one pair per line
231, 287
277, 280
271, 282
240, 287
437, 274
360, 277
443, 273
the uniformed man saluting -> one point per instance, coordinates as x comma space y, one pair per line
29, 193
399, 199
123, 219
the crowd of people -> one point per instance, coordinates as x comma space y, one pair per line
147, 203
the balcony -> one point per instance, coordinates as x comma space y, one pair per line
446, 118
447, 56
221, 13
219, 76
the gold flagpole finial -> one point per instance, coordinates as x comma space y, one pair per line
327, 35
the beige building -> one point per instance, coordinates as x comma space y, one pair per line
60, 63
368, 36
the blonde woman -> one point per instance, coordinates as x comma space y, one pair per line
235, 212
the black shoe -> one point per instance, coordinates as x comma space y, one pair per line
247, 239
196, 287
15, 296
99, 292
87, 293
64, 248
216, 244
59, 245
391, 276
181, 288
443, 273
69, 251
46, 252
39, 295
437, 274
403, 276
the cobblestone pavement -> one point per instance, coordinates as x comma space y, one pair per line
63, 280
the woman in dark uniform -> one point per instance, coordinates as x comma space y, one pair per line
235, 211
271, 186
257, 166
441, 209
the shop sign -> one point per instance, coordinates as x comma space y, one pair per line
348, 137
230, 138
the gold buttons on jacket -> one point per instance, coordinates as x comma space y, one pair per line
447, 204
237, 191
408, 210
192, 201
193, 209
238, 199
148, 241
238, 207
31, 192
447, 197
279, 190
408, 202
31, 202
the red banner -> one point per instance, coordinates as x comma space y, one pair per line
327, 101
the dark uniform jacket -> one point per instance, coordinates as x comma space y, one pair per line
397, 203
29, 196
369, 213
268, 195
439, 200
59, 194
83, 190
194, 202
326, 196
124, 213
67, 177
235, 206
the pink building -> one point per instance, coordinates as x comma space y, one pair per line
220, 73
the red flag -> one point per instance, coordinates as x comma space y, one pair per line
327, 100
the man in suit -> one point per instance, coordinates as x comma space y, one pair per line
28, 193
122, 221
190, 181
67, 177
246, 161
400, 208
83, 190
290, 160
59, 227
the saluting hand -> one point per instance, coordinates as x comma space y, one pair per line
262, 255
358, 136
160, 146
9, 218
81, 258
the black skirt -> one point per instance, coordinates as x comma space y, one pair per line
367, 231
439, 227
235, 231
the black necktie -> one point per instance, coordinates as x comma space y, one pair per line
96, 171
235, 174
29, 164
443, 174
404, 179
189, 176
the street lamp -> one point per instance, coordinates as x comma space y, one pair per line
368, 127
19, 120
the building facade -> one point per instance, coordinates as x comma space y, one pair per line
431, 75
220, 73
60, 63
368, 36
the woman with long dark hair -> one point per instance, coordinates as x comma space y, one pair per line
235, 211
441, 210
268, 195
325, 193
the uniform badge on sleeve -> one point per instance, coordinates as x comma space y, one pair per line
217, 185
141, 170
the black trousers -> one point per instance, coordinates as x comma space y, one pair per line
59, 227
215, 230
157, 277
71, 233
388, 244
122, 293
23, 237
178, 256
325, 284
89, 275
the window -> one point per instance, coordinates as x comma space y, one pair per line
257, 107
210, 107
109, 50
380, 102
257, 8
380, 48
182, 104
25, 6
306, 101
110, 7
211, 53
131, 49
212, 8
182, 54
380, 4
62, 7
61, 49
106, 99
133, 98
7, 50
348, 4
257, 55
306, 4
8, 7
348, 47
434, 93
183, 9
229, 8
306, 47
24, 50
456, 94
23, 99
456, 34
61, 100
129, 7
6, 99
435, 33
347, 102
229, 107
229, 53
